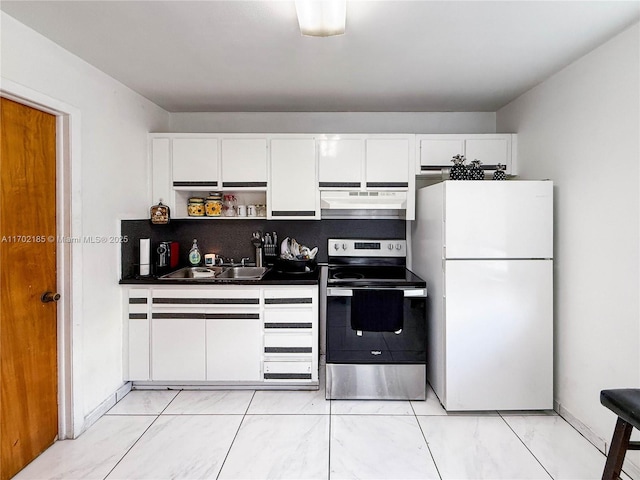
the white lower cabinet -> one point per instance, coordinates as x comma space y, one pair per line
137, 316
178, 349
233, 350
227, 334
290, 334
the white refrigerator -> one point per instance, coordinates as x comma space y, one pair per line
485, 249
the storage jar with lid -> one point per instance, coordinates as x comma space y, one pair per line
213, 205
195, 207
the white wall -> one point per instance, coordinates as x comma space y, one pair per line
580, 128
114, 123
335, 122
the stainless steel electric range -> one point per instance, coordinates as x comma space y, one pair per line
375, 318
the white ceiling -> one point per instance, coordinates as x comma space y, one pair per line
212, 56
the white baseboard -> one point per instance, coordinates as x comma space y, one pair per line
123, 390
601, 444
585, 431
104, 407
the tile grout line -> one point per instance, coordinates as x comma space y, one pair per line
244, 415
141, 435
525, 446
433, 459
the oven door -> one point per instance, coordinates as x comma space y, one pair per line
346, 345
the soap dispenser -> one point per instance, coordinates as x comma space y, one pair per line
194, 254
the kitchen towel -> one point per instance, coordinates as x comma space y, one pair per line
377, 310
145, 257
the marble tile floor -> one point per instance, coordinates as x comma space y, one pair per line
246, 434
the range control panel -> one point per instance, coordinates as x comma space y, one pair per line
367, 248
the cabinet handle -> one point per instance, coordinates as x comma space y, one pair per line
388, 184
195, 184
293, 213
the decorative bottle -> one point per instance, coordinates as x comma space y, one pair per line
459, 169
500, 173
194, 254
475, 171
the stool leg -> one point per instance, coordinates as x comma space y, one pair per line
617, 450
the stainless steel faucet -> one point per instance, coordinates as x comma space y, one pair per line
257, 241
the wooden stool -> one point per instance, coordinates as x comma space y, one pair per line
624, 402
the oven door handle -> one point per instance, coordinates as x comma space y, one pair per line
339, 292
348, 292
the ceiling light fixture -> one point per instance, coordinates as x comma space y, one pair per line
321, 18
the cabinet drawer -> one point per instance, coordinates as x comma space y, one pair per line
285, 343
177, 313
287, 371
199, 298
293, 318
285, 296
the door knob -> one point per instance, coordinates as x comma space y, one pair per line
50, 297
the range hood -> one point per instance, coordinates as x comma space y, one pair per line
363, 204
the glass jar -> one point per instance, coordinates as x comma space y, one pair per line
195, 207
261, 210
213, 205
160, 214
229, 206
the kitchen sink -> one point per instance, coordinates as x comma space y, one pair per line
243, 273
193, 273
211, 273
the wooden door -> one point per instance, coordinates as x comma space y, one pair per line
28, 344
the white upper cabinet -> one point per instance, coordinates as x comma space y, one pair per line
244, 163
365, 162
388, 162
195, 162
436, 151
490, 151
340, 163
161, 171
293, 191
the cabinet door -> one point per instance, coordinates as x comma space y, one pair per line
387, 163
233, 350
293, 190
340, 163
161, 172
195, 162
244, 162
178, 349
138, 335
490, 151
436, 154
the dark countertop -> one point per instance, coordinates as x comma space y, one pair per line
272, 277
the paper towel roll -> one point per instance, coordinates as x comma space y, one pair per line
145, 254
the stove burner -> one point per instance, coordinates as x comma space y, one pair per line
348, 276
